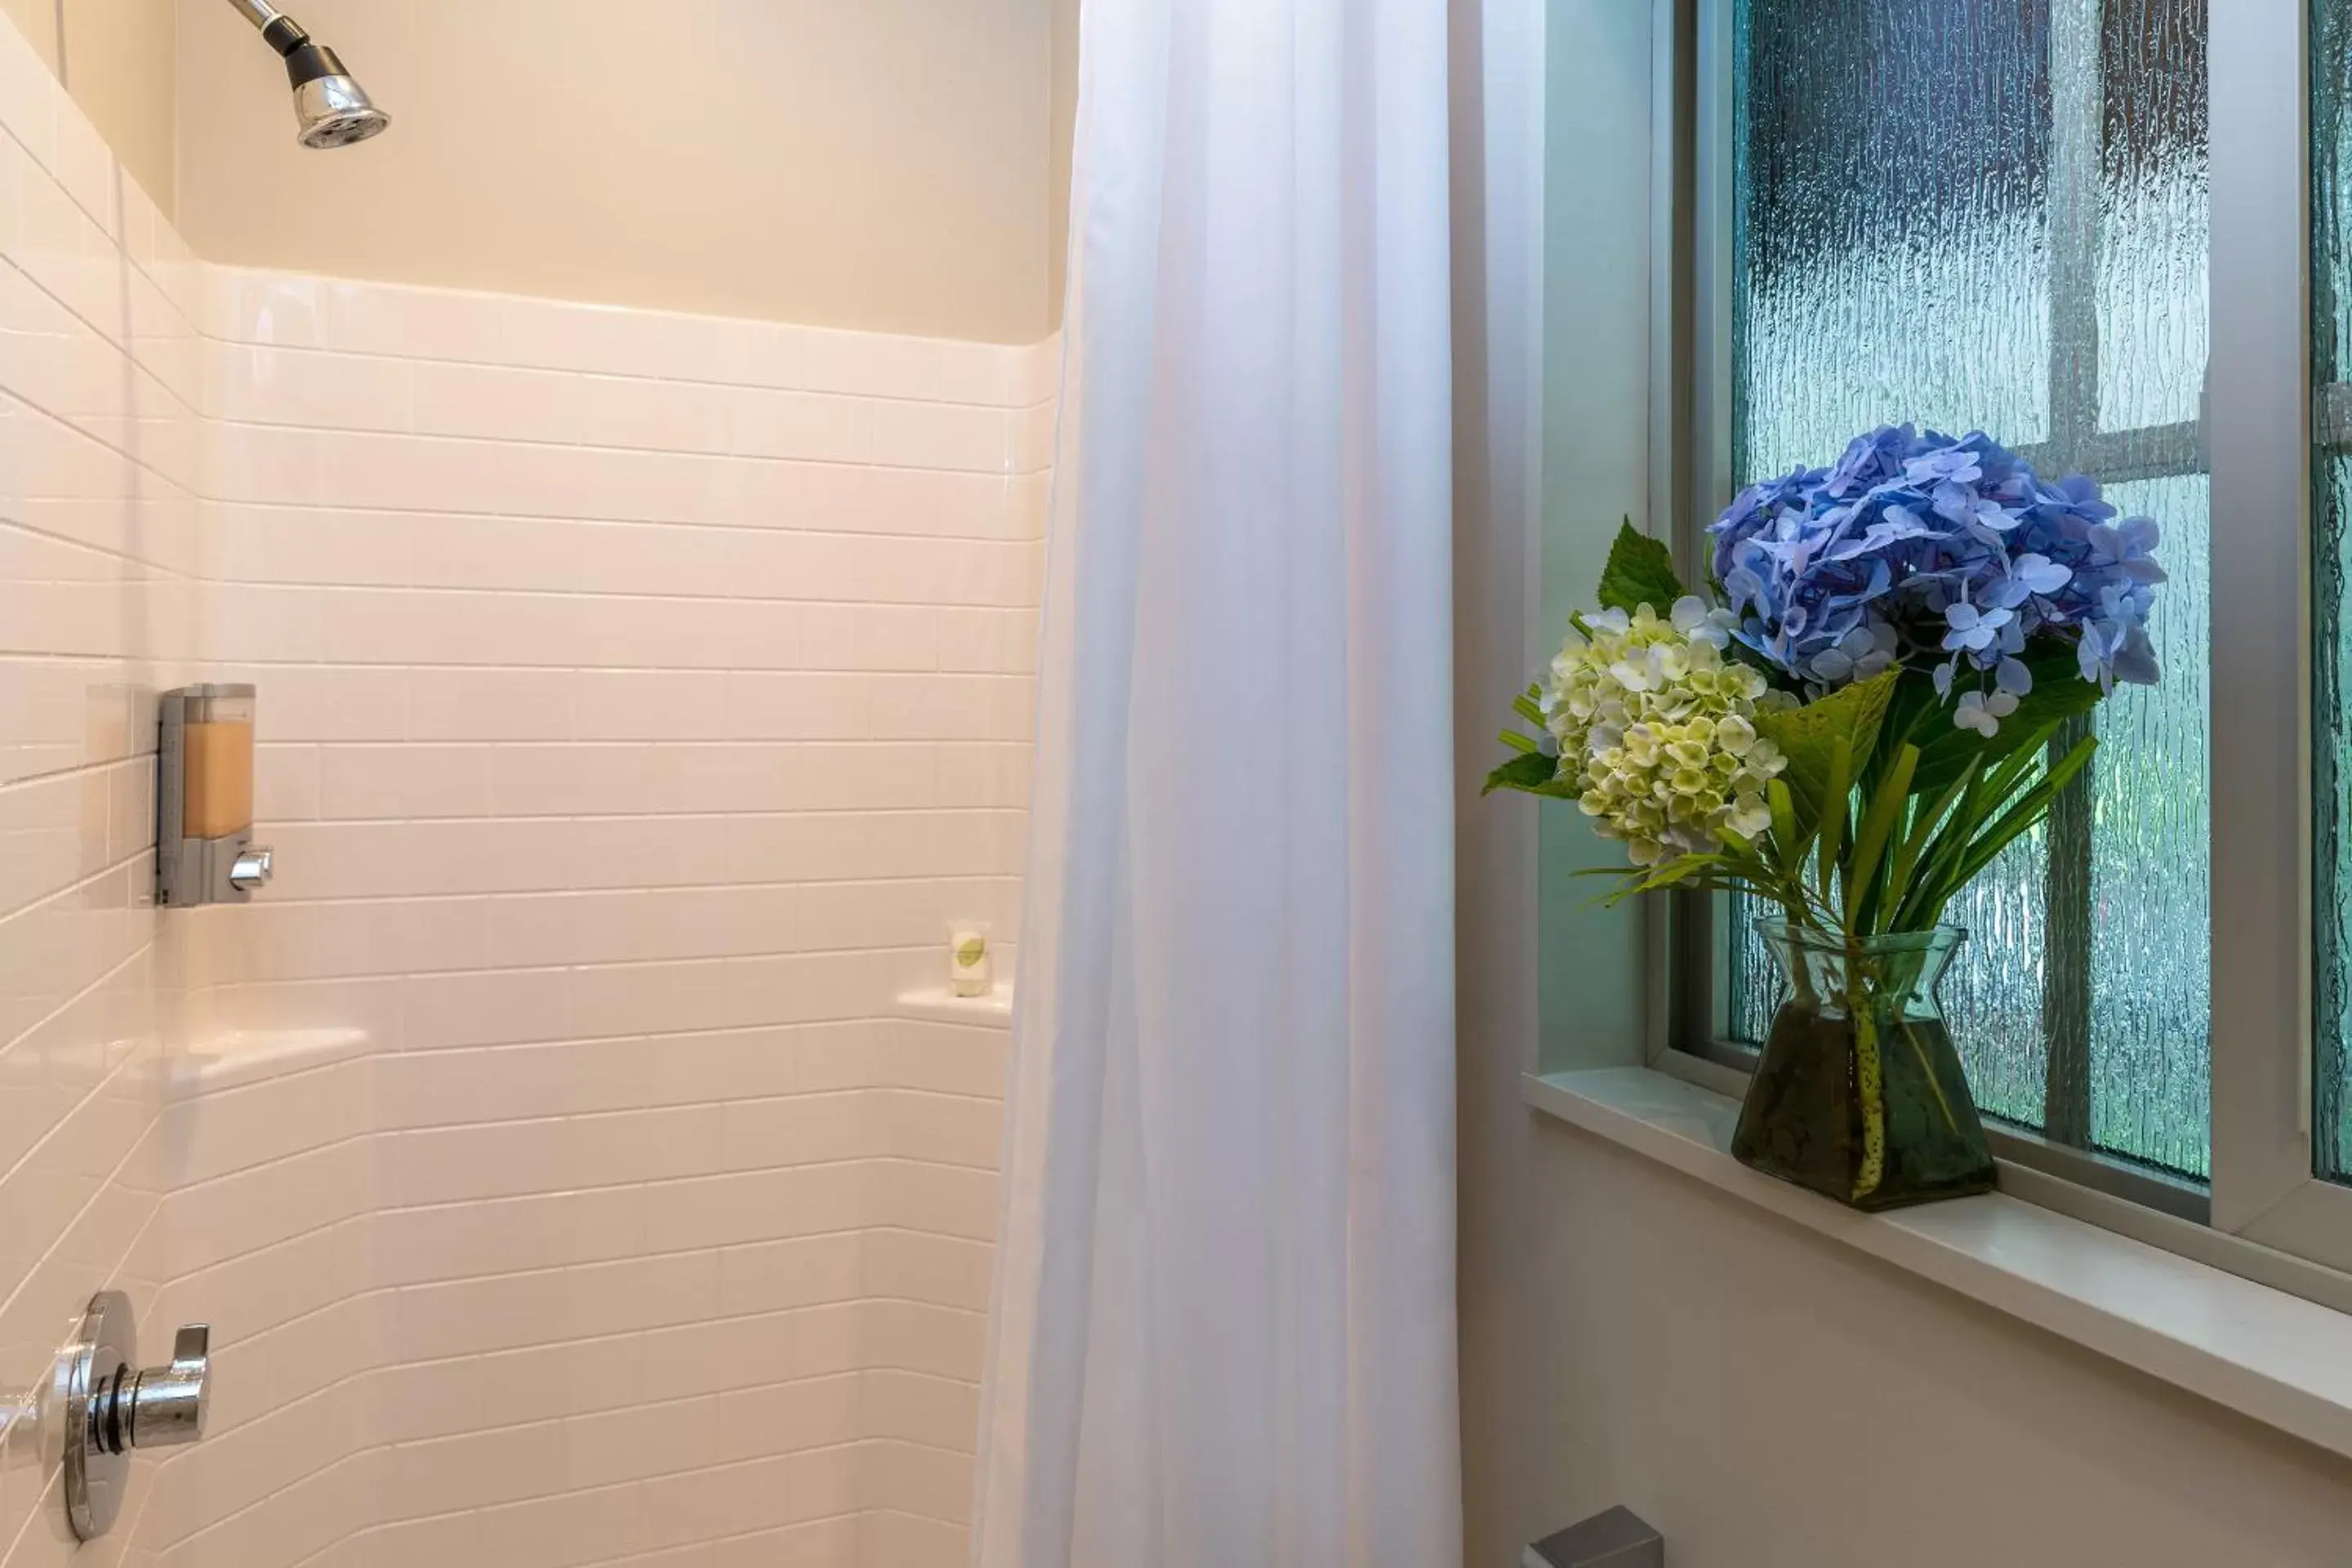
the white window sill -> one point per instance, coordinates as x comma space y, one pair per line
2275, 1358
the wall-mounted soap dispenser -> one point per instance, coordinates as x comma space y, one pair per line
204, 852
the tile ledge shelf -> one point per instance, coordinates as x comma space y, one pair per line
239, 1056
2268, 1355
937, 1003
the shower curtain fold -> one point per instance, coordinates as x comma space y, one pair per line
1224, 1334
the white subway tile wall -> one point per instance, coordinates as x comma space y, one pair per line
100, 458
640, 695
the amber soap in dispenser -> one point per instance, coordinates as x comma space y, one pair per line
204, 852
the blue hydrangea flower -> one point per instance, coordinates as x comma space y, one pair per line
1947, 556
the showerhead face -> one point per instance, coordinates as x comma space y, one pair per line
334, 110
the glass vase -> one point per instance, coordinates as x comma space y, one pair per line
1860, 1095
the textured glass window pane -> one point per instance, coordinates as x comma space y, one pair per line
2331, 280
1893, 169
2332, 748
2151, 986
2153, 206
1993, 216
2332, 669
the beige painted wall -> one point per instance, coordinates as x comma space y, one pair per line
1058, 180
882, 164
38, 20
117, 59
120, 65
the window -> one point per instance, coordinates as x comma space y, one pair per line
2331, 76
2116, 235
1993, 216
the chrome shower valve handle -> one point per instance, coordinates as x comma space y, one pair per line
167, 1406
109, 1405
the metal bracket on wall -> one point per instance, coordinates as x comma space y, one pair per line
1617, 1539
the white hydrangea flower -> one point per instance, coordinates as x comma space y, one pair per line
1983, 714
1657, 727
1695, 621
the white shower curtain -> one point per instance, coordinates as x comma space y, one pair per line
1224, 1332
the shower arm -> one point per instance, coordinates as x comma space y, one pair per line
278, 30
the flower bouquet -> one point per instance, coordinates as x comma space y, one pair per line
1851, 721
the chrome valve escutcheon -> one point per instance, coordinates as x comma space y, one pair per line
110, 1405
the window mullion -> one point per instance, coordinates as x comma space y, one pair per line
2259, 432
2078, 114
1707, 439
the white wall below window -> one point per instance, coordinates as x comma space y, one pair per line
1768, 1398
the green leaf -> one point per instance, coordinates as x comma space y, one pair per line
1810, 735
1668, 873
1524, 745
1530, 773
1525, 706
2059, 693
2004, 777
1641, 570
1788, 846
1933, 888
1835, 790
1924, 825
1706, 879
1992, 814
2029, 809
1877, 826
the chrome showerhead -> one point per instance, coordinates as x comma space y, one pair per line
332, 109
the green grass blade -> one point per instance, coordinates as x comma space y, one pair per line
1877, 826
1932, 888
1837, 786
1783, 807
1915, 843
2029, 808
2016, 770
1971, 844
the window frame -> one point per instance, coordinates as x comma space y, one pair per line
2266, 1185
2258, 446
